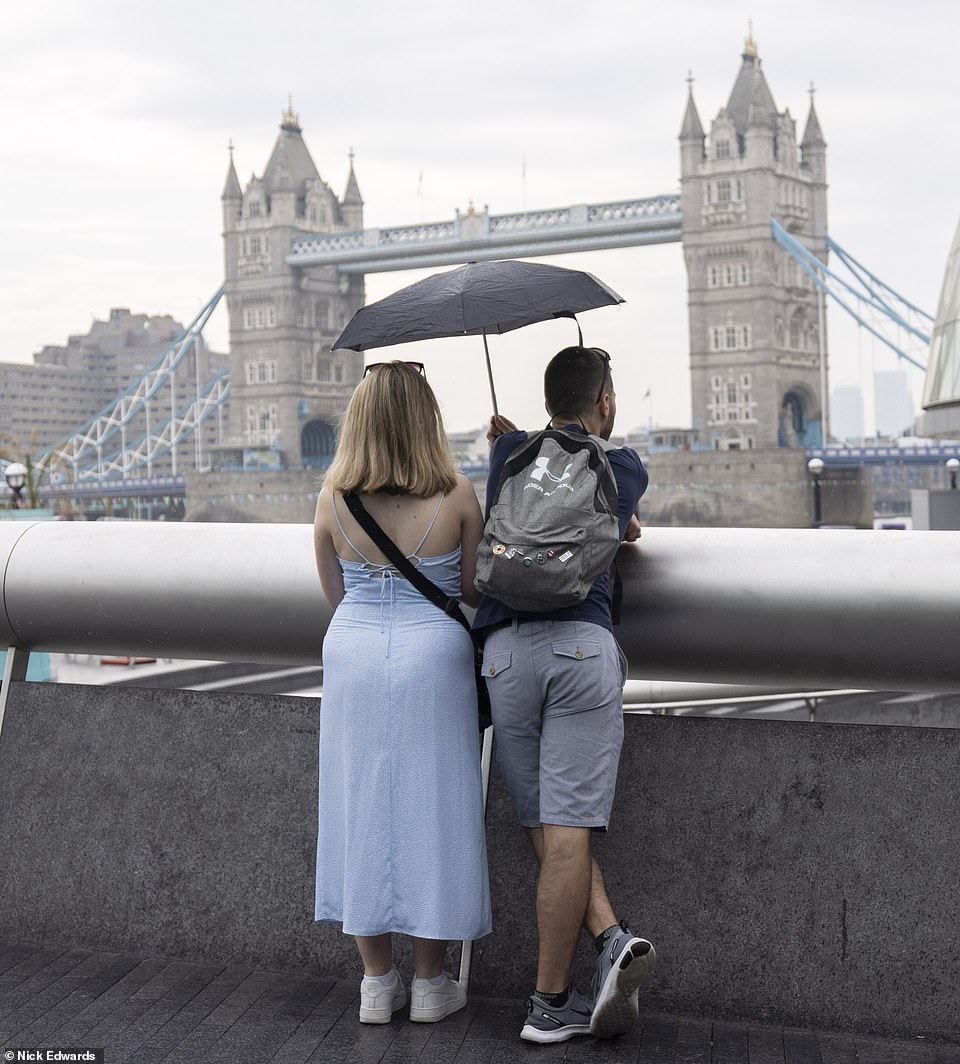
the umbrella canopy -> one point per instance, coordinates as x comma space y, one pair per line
479, 298
476, 299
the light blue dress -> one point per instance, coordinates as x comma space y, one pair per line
401, 842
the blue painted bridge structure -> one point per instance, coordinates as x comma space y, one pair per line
100, 455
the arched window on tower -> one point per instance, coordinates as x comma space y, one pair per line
796, 329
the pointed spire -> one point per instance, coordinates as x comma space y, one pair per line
290, 120
692, 128
231, 187
750, 50
812, 134
750, 88
761, 111
352, 195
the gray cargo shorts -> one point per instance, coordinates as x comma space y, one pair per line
556, 700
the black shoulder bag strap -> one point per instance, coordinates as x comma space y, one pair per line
426, 587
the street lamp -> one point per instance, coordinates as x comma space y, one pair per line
16, 477
953, 464
815, 466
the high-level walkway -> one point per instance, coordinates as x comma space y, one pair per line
144, 1009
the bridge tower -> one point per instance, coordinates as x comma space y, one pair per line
286, 386
754, 315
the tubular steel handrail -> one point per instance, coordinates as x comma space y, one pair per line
791, 608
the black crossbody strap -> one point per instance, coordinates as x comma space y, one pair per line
426, 587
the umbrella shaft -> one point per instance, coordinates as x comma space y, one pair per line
493, 393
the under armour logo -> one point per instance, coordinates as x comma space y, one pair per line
541, 471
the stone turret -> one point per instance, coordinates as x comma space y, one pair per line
813, 148
352, 202
754, 344
692, 138
287, 387
232, 199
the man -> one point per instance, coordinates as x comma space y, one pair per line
555, 682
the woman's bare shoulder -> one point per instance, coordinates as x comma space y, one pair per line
465, 493
324, 506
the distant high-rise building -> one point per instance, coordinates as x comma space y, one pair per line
846, 413
893, 404
286, 386
941, 392
754, 343
68, 384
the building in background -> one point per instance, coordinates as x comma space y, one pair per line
287, 388
754, 324
941, 391
893, 404
68, 384
846, 414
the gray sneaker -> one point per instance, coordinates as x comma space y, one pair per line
625, 962
546, 1024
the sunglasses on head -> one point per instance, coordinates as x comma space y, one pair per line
605, 359
418, 366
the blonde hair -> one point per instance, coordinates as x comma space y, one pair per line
392, 437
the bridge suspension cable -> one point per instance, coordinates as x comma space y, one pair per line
183, 424
872, 303
83, 451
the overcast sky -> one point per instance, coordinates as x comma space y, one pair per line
115, 119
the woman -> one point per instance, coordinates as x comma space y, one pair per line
401, 844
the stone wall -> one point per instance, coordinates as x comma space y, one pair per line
278, 496
803, 874
767, 488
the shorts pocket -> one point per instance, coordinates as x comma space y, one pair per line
496, 662
577, 649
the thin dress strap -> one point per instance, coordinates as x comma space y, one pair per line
413, 553
356, 550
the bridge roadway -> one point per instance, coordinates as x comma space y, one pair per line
145, 1009
477, 236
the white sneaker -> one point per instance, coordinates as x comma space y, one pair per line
429, 1003
378, 1002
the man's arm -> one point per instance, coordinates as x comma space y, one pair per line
499, 425
632, 482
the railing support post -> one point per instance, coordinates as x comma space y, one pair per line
14, 669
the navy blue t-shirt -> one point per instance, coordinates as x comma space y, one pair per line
631, 480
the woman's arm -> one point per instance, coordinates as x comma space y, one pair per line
471, 531
328, 565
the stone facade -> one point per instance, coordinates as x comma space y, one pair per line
276, 496
286, 386
768, 488
754, 325
68, 384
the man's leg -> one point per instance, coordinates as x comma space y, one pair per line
599, 913
580, 742
563, 896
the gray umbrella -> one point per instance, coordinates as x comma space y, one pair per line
479, 298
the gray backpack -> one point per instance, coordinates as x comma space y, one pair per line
553, 526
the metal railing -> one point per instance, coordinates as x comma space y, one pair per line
790, 608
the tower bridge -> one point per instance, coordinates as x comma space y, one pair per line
296, 255
751, 215
480, 236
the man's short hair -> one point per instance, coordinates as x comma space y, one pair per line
575, 379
